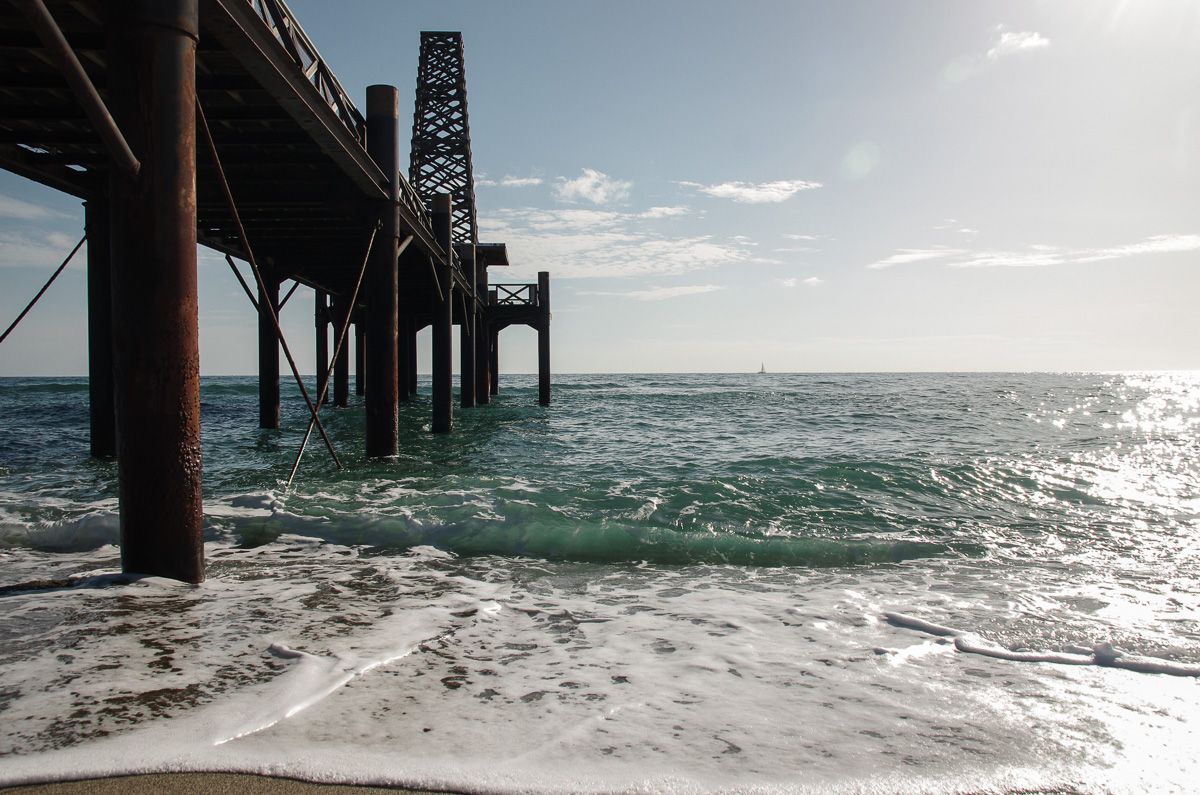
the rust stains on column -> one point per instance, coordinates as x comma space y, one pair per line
443, 320
341, 365
466, 337
156, 357
268, 355
360, 359
543, 332
321, 318
383, 145
483, 388
100, 352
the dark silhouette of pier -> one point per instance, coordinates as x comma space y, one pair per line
217, 122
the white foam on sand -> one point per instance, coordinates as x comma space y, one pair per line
1101, 654
323, 662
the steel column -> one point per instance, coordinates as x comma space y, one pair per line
360, 358
483, 386
268, 355
411, 333
543, 332
321, 316
443, 319
341, 365
156, 354
383, 145
466, 336
100, 347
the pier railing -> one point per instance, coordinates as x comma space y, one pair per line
282, 23
516, 294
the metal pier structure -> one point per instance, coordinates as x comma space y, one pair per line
217, 122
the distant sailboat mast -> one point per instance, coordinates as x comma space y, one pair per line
762, 368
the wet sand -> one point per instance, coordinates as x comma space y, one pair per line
196, 784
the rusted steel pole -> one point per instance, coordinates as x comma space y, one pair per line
383, 145
268, 354
543, 333
156, 354
411, 333
443, 319
466, 336
483, 381
321, 319
100, 353
494, 351
403, 353
341, 364
360, 359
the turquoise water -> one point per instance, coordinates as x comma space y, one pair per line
626, 549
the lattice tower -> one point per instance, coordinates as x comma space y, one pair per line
440, 161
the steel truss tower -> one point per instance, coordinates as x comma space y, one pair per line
441, 139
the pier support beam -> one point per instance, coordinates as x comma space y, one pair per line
383, 145
268, 355
156, 354
443, 319
100, 345
494, 357
321, 318
403, 351
483, 381
411, 333
341, 365
466, 337
543, 333
360, 358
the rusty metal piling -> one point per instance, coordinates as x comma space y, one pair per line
156, 356
443, 318
382, 399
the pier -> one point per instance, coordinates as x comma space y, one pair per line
217, 122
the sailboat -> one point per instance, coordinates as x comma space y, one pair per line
762, 369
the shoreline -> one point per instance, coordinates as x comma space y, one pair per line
197, 784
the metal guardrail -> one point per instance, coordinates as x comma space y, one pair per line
282, 23
515, 294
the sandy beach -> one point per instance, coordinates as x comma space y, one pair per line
194, 784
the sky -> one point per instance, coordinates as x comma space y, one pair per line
809, 186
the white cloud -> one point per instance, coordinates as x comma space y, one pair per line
1041, 255
664, 293
520, 182
754, 192
811, 281
801, 237
908, 255
664, 212
1012, 42
25, 211
593, 186
577, 243
1158, 244
25, 250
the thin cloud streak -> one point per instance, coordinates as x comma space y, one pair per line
1040, 255
578, 243
754, 192
1012, 42
25, 211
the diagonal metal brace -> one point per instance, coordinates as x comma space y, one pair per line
262, 286
59, 49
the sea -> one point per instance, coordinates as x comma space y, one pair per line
867, 583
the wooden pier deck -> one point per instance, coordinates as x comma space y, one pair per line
218, 122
